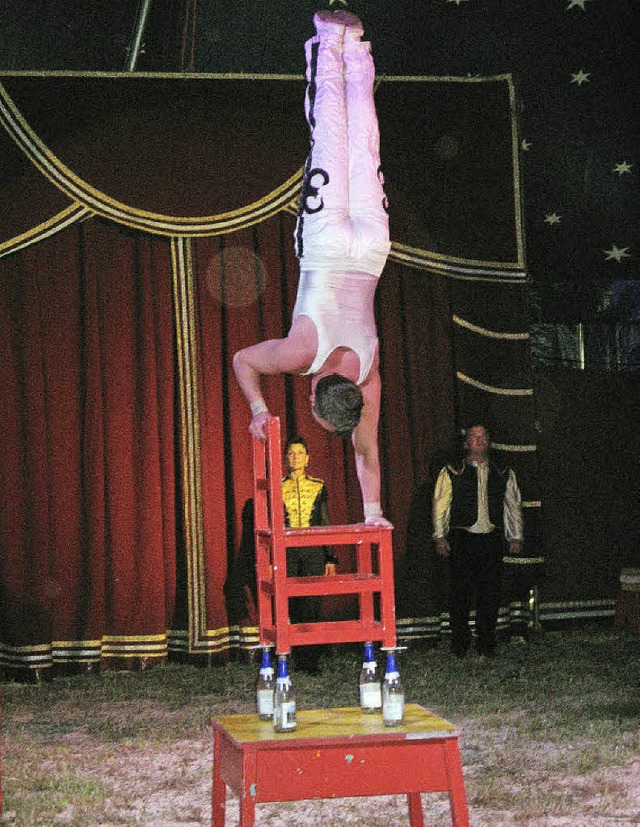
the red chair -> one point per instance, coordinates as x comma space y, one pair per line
274, 587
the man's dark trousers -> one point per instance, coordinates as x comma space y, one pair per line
475, 580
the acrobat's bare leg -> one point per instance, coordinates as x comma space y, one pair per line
367, 201
324, 200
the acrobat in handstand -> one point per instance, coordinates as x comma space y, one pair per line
342, 243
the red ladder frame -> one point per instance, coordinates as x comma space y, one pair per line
275, 588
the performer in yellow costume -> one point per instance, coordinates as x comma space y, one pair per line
306, 503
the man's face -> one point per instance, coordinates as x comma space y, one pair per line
297, 457
477, 441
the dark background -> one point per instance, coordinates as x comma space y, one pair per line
576, 133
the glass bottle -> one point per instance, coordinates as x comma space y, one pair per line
284, 701
265, 687
392, 694
370, 689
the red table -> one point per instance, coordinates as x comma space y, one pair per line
335, 753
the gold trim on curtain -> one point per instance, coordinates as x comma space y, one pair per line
182, 266
59, 221
99, 202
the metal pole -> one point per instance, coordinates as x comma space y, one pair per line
134, 49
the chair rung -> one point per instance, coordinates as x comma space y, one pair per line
333, 533
337, 584
343, 528
340, 631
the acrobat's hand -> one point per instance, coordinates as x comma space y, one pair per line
258, 425
379, 520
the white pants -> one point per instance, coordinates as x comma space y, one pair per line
342, 219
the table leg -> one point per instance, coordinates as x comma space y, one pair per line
219, 789
416, 818
249, 791
457, 795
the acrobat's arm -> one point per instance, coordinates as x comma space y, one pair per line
290, 355
365, 445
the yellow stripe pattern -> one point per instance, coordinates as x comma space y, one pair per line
491, 388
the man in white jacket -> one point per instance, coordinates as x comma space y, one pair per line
476, 508
342, 243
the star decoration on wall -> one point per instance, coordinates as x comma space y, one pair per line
573, 3
552, 218
622, 167
525, 145
616, 253
580, 77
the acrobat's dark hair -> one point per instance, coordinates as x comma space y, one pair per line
338, 401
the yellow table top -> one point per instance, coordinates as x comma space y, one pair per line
345, 722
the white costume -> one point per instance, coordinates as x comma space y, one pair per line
342, 234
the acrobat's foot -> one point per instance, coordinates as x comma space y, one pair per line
337, 25
353, 29
328, 25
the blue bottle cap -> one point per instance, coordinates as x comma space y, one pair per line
368, 652
283, 671
266, 659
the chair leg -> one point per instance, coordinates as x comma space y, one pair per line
364, 566
387, 596
281, 600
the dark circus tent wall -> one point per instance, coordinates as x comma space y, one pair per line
147, 228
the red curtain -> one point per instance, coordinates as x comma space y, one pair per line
99, 563
126, 475
88, 533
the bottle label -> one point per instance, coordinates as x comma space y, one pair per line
265, 702
393, 709
285, 716
370, 696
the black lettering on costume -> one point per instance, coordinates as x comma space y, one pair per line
311, 120
309, 190
385, 200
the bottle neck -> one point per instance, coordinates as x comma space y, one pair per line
266, 660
